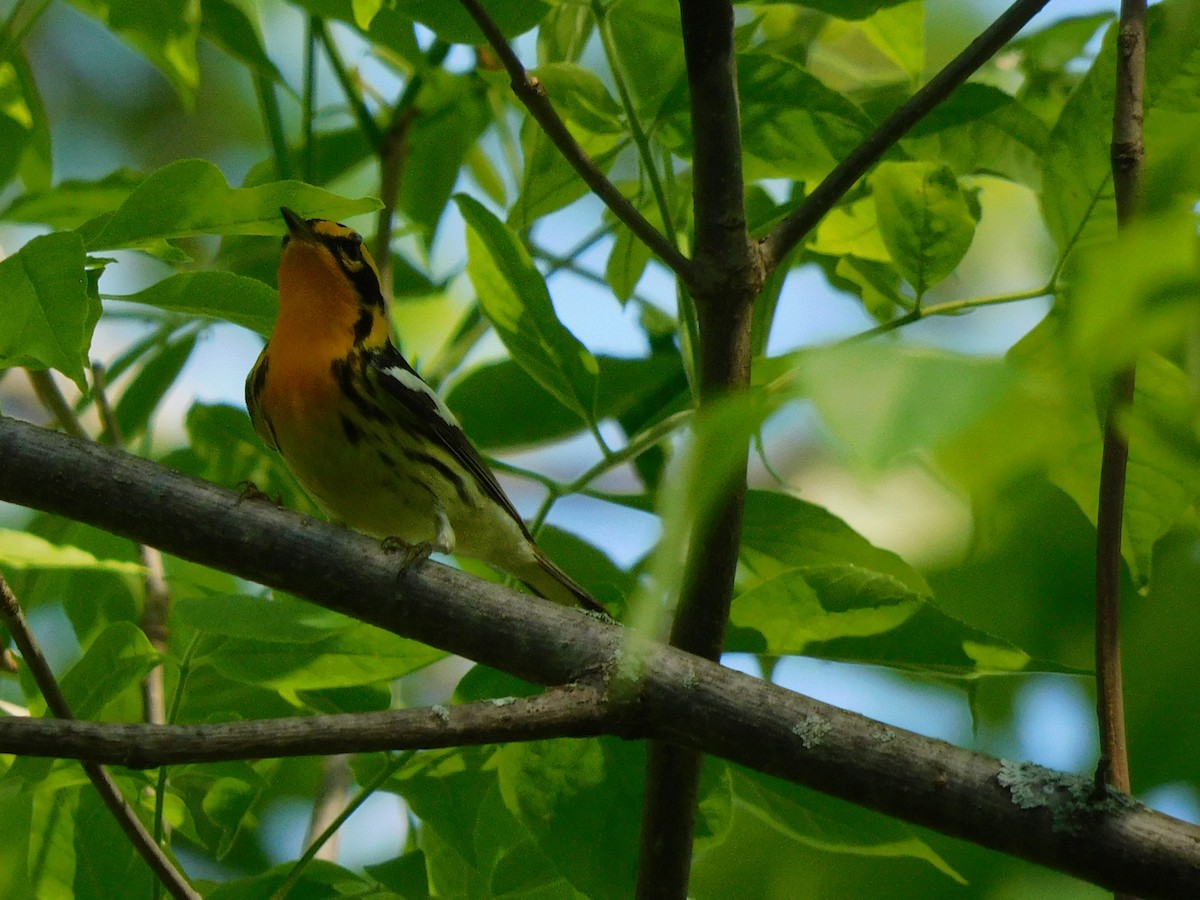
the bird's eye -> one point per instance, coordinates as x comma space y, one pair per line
352, 248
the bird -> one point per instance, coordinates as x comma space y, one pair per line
367, 438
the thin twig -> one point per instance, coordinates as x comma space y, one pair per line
573, 711
309, 99
156, 603
533, 95
393, 149
792, 230
949, 308
55, 403
268, 104
640, 140
325, 838
43, 676
366, 122
329, 808
1128, 160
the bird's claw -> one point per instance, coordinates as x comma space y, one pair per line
251, 491
412, 553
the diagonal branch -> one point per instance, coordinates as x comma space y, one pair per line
142, 840
792, 230
531, 93
574, 711
1042, 816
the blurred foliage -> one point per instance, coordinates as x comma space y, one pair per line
140, 182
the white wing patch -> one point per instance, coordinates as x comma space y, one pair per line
416, 385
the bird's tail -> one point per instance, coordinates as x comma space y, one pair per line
547, 580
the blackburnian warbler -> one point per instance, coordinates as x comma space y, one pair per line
363, 433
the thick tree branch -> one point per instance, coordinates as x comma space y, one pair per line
574, 711
792, 230
728, 277
142, 840
531, 93
1038, 815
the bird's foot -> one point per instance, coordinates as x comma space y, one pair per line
251, 491
412, 553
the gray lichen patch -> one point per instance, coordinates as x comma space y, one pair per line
812, 730
1071, 799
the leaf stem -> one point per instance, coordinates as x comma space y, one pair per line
635, 126
362, 115
310, 97
951, 307
533, 95
43, 676
359, 799
268, 105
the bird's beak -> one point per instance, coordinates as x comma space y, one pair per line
298, 227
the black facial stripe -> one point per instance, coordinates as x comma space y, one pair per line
362, 327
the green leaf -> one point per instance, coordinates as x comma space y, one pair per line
70, 203
571, 797
549, 182
191, 197
229, 28
581, 97
500, 406
646, 36
980, 129
446, 18
22, 550
845, 9
164, 32
365, 11
626, 263
451, 23
49, 311
116, 662
24, 129
224, 448
142, 397
713, 460
228, 801
794, 532
353, 656
277, 619
1077, 196
926, 220
793, 126
1077, 193
466, 831
1135, 293
453, 114
52, 840
825, 823
514, 297
233, 298
1163, 472
320, 878
883, 401
850, 614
